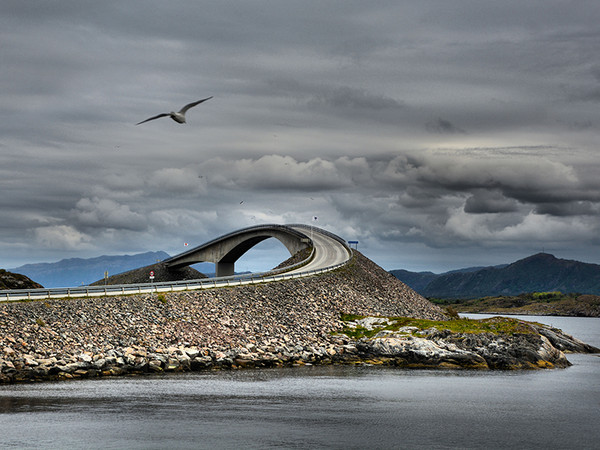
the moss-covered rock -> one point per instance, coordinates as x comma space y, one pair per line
495, 343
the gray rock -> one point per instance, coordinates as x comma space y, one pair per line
191, 352
100, 363
155, 365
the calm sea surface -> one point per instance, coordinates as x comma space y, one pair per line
317, 407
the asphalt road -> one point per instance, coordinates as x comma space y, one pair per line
328, 252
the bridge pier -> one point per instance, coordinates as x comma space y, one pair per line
224, 269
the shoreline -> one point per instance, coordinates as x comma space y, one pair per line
530, 347
269, 325
572, 305
526, 313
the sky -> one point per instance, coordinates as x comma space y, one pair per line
439, 134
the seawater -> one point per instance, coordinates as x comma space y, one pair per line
317, 407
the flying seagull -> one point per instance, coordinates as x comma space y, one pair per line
179, 116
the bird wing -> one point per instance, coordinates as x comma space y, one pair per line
155, 117
191, 105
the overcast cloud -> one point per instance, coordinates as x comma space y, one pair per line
439, 134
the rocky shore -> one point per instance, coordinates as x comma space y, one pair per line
496, 343
286, 323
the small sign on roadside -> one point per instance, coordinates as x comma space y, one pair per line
151, 275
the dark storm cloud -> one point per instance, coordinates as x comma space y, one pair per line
573, 208
490, 202
339, 101
349, 98
443, 126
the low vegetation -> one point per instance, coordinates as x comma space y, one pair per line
542, 303
494, 325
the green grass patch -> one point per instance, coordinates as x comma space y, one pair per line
351, 317
360, 332
555, 295
494, 325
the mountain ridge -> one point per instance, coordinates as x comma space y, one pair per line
71, 272
541, 272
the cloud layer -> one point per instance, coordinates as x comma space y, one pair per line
439, 135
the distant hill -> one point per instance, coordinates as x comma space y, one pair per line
538, 273
420, 280
161, 272
415, 280
9, 280
77, 271
537, 303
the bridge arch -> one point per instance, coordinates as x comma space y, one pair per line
226, 250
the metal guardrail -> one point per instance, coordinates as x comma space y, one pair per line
146, 288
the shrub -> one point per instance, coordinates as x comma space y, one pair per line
452, 313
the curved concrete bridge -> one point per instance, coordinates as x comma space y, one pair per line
226, 250
329, 252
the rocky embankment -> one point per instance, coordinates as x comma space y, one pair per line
273, 324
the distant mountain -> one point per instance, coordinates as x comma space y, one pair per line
415, 280
77, 271
420, 280
475, 269
538, 273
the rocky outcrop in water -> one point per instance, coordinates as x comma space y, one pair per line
494, 343
433, 348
